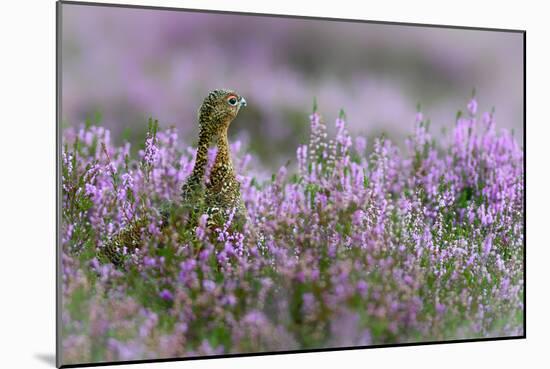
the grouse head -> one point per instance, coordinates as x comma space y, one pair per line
219, 109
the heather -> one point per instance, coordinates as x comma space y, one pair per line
355, 241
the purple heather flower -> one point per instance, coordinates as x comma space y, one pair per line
419, 117
362, 287
166, 295
149, 261
472, 107
360, 145
151, 151
209, 285
487, 245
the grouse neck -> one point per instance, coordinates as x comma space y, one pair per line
201, 158
223, 155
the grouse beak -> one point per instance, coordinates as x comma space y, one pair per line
242, 101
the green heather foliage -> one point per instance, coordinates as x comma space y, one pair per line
346, 246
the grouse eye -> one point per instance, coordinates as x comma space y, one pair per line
232, 101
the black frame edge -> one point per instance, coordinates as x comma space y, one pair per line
58, 294
525, 184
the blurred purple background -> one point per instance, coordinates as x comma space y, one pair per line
129, 64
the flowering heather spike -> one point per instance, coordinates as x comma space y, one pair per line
348, 248
151, 151
472, 106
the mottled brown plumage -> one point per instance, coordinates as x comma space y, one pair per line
218, 196
124, 242
221, 192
